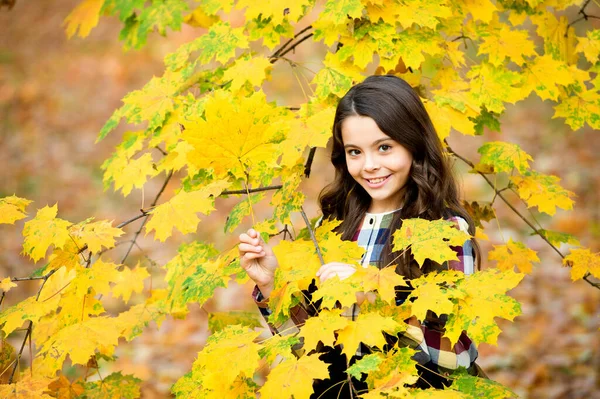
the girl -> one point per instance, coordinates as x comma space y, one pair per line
389, 166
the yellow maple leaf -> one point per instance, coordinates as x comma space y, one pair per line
583, 261
29, 309
482, 10
589, 45
155, 100
544, 75
43, 230
429, 239
27, 387
311, 129
254, 70
83, 18
322, 328
278, 347
176, 159
504, 157
493, 86
336, 12
502, 42
333, 248
384, 281
479, 298
396, 370
93, 334
180, 211
236, 134
431, 298
199, 19
445, 118
6, 284
95, 235
294, 378
132, 322
290, 197
288, 253
134, 173
98, 277
129, 281
543, 191
423, 13
68, 256
235, 343
580, 108
329, 33
367, 328
559, 37
514, 254
277, 10
336, 77
12, 209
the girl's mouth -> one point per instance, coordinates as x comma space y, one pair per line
377, 182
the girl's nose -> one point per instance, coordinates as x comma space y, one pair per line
370, 164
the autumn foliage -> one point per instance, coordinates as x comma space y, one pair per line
219, 135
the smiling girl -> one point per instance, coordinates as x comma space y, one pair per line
389, 166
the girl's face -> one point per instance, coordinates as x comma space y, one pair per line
377, 162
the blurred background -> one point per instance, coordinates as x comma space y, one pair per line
56, 94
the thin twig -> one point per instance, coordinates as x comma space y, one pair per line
252, 190
312, 235
28, 333
282, 48
145, 215
274, 60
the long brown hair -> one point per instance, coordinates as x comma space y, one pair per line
431, 191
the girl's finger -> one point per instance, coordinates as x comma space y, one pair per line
249, 248
252, 255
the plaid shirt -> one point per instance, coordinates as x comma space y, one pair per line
426, 338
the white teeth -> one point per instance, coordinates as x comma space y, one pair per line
376, 181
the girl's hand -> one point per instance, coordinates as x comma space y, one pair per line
258, 260
329, 270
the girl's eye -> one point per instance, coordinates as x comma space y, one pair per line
353, 152
384, 147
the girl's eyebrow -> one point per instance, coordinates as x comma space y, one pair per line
376, 142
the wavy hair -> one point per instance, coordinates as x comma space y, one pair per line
431, 191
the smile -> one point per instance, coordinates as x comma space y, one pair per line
377, 181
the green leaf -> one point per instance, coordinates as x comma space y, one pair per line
504, 157
476, 387
365, 365
159, 15
115, 385
241, 210
486, 119
219, 320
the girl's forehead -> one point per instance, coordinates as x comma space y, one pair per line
361, 130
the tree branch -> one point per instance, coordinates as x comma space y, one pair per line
28, 333
252, 190
277, 53
273, 60
145, 216
309, 161
312, 235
